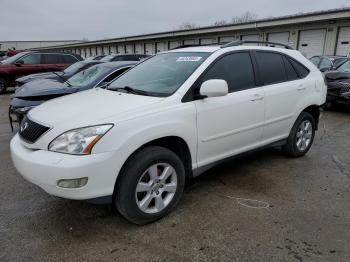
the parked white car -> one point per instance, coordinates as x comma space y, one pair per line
169, 119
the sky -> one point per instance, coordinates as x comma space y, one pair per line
100, 19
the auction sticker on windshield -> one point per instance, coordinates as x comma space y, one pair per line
189, 59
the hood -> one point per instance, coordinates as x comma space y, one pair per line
43, 87
91, 107
336, 75
31, 77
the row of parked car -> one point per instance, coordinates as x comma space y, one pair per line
336, 70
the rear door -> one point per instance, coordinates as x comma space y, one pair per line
50, 62
233, 123
283, 89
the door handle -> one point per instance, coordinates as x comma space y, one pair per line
257, 97
301, 88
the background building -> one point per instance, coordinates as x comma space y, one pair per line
22, 45
317, 33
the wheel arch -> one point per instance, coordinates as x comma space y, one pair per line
313, 110
175, 144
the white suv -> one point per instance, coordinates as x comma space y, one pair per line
169, 119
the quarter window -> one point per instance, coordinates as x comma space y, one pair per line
299, 68
271, 68
291, 73
236, 69
68, 59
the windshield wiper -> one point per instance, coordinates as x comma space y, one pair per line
132, 90
65, 80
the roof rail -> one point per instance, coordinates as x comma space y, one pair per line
241, 42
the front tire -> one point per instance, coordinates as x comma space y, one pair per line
3, 85
150, 185
301, 136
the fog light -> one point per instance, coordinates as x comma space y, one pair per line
72, 183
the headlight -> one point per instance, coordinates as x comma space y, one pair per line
79, 141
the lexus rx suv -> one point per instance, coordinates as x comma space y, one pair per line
26, 63
166, 120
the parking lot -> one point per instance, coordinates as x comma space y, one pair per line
261, 207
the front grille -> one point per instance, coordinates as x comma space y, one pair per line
30, 131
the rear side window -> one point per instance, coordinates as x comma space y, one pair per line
68, 59
236, 69
291, 73
301, 70
50, 59
271, 68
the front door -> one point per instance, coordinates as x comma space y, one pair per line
234, 123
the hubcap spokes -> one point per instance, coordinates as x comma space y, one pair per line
156, 188
304, 135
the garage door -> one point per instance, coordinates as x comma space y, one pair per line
93, 51
161, 46
343, 44
149, 48
121, 49
206, 41
99, 51
189, 42
226, 39
106, 50
138, 48
281, 38
129, 49
113, 49
311, 42
174, 44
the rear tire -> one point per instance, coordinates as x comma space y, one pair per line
301, 136
3, 85
150, 185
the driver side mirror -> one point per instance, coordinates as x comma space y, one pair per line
213, 88
19, 63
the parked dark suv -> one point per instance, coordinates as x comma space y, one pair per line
26, 63
123, 57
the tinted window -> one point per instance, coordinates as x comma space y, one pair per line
344, 67
299, 68
315, 60
50, 59
236, 69
271, 68
68, 59
325, 64
31, 59
291, 74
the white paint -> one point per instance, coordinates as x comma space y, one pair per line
312, 42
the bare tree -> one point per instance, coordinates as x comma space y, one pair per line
220, 22
188, 25
246, 17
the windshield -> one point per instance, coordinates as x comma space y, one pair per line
12, 59
162, 74
74, 68
344, 67
88, 76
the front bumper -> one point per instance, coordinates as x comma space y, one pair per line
45, 169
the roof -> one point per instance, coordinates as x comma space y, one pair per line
323, 15
118, 64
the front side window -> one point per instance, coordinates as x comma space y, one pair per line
30, 59
88, 76
162, 74
13, 59
325, 64
315, 60
236, 69
271, 68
